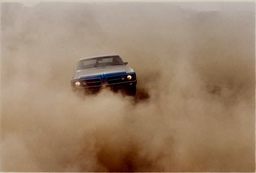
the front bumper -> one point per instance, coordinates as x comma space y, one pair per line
104, 84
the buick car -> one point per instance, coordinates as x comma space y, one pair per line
108, 71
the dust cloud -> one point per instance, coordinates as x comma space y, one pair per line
194, 110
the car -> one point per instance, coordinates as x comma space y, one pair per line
107, 71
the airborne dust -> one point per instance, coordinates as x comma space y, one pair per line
194, 110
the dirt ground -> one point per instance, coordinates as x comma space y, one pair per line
195, 106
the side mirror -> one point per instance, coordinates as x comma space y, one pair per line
125, 63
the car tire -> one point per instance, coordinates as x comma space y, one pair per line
131, 91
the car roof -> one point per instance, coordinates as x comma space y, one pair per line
99, 56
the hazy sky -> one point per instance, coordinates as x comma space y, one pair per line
216, 6
202, 5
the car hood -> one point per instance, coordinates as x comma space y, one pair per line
102, 72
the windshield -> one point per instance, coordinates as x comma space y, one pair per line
99, 62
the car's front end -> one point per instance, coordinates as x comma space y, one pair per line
115, 77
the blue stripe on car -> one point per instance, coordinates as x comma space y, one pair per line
103, 75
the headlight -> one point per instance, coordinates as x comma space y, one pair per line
129, 77
77, 83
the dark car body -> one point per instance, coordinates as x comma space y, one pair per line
94, 73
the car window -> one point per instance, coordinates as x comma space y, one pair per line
100, 61
117, 61
86, 64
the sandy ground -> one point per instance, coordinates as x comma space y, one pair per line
196, 83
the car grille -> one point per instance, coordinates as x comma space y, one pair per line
98, 82
116, 79
91, 82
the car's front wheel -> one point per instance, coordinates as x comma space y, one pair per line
131, 91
